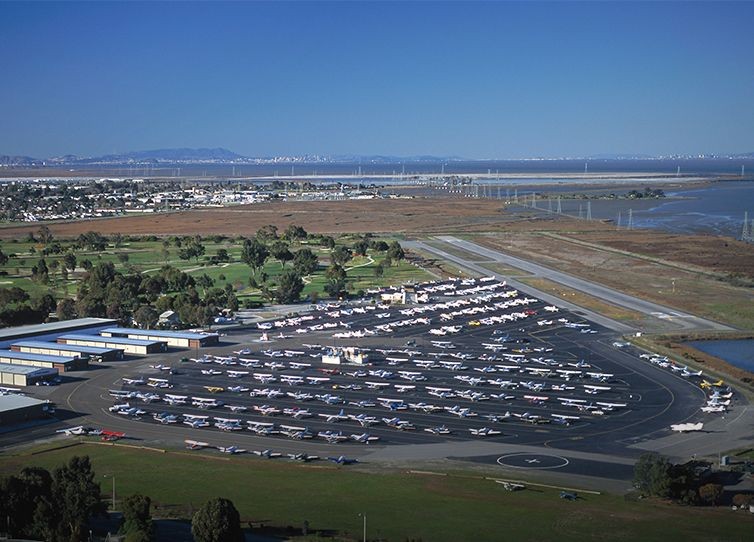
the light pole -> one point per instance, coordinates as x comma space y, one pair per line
364, 517
113, 477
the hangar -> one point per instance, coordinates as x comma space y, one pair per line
16, 409
129, 346
56, 349
51, 330
23, 375
61, 363
183, 339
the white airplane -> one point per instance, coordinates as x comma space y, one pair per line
332, 437
397, 423
158, 383
687, 427
460, 412
303, 457
231, 449
160, 367
297, 413
364, 438
363, 419
362, 404
211, 372
300, 396
710, 409
261, 428
439, 430
195, 445
134, 381
299, 366
236, 408
292, 380
238, 389
564, 420
264, 378
175, 399
314, 380
267, 410
78, 430
403, 388
425, 407
267, 454
376, 385
484, 432
296, 433
236, 374
392, 404
330, 418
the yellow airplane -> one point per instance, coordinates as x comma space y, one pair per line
706, 384
214, 389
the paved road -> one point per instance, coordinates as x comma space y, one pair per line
684, 320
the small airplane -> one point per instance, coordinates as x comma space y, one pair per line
569, 496
332, 437
79, 430
364, 438
195, 445
687, 427
334, 417
267, 454
303, 457
214, 389
343, 460
165, 418
110, 436
134, 381
296, 433
231, 449
484, 432
439, 430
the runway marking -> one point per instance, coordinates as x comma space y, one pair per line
534, 461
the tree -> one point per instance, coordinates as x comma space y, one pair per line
327, 242
336, 280
217, 521
44, 234
146, 316
254, 254
69, 260
379, 270
39, 272
711, 493
76, 495
289, 287
305, 262
267, 233
652, 475
341, 255
395, 251
360, 247
280, 252
205, 282
123, 257
3, 258
66, 309
137, 520
379, 246
222, 255
294, 233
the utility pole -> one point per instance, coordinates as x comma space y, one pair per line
588, 210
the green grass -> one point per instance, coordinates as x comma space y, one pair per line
147, 257
398, 505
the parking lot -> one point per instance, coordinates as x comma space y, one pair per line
478, 360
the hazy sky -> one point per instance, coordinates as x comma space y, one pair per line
480, 80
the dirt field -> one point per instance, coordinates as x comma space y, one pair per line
705, 294
351, 216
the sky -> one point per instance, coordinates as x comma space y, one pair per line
470, 79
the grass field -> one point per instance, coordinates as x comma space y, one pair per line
399, 506
149, 256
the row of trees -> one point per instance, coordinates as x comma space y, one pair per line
656, 476
50, 506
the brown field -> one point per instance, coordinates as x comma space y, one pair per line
417, 215
644, 275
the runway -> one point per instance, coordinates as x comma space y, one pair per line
685, 321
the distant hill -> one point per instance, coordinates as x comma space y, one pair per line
19, 161
173, 155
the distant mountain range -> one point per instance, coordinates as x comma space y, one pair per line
220, 155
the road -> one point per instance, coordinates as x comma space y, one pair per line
687, 322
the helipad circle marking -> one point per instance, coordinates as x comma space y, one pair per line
533, 461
